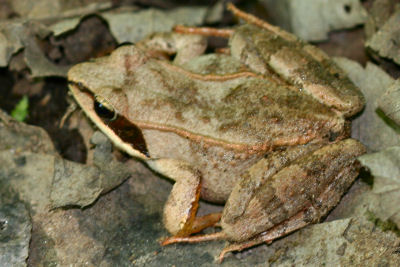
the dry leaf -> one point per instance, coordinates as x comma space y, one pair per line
134, 26
56, 9
15, 234
386, 42
40, 177
126, 26
313, 19
347, 242
389, 102
369, 127
385, 167
11, 40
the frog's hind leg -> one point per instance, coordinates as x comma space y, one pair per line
226, 33
207, 31
179, 216
204, 31
313, 213
260, 23
296, 222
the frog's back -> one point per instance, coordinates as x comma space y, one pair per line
248, 113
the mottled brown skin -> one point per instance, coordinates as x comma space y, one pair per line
298, 184
263, 128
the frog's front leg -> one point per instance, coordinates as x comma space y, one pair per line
180, 210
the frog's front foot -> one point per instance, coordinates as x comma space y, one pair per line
179, 215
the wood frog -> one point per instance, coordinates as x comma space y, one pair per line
263, 129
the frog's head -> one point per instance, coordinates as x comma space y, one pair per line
98, 87
101, 74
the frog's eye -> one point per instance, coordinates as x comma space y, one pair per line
104, 109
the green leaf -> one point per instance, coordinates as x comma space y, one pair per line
20, 112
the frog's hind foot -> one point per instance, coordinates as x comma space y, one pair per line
203, 222
294, 223
193, 239
198, 224
239, 247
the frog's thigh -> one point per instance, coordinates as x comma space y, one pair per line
180, 210
301, 193
344, 152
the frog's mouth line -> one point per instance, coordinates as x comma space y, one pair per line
126, 135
